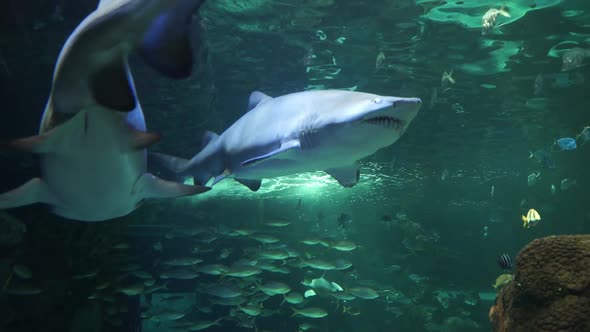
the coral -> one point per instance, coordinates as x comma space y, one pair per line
551, 288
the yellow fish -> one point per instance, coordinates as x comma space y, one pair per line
532, 218
503, 280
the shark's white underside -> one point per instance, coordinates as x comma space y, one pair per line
92, 139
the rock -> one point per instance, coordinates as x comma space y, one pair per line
551, 288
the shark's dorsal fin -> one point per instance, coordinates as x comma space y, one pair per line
347, 176
208, 137
253, 185
110, 87
256, 98
166, 45
285, 147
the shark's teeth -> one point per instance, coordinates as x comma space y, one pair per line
385, 121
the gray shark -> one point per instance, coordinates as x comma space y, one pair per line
92, 138
327, 130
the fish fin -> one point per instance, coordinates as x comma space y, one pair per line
37, 144
256, 98
523, 218
150, 186
220, 177
172, 163
253, 185
33, 191
54, 140
166, 45
281, 151
143, 139
347, 176
208, 137
111, 88
504, 13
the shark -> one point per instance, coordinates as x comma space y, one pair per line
329, 130
92, 140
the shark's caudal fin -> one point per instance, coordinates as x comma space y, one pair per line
177, 165
166, 45
174, 164
150, 186
34, 191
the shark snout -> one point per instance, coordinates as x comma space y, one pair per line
406, 103
405, 109
393, 112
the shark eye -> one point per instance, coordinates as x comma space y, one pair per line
377, 100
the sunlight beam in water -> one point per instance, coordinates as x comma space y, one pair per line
375, 178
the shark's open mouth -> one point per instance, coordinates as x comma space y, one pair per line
385, 121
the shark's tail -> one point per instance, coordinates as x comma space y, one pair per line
199, 167
166, 44
174, 164
180, 168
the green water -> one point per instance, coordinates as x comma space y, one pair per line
442, 203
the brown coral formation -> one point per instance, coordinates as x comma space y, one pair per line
551, 288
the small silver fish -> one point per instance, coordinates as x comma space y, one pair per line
567, 183
379, 60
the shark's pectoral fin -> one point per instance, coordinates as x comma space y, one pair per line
166, 45
347, 176
37, 144
53, 140
34, 191
150, 186
110, 87
143, 139
281, 153
220, 177
256, 98
253, 185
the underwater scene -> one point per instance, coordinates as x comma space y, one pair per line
294, 165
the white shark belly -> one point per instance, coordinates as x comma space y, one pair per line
94, 186
300, 161
93, 173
